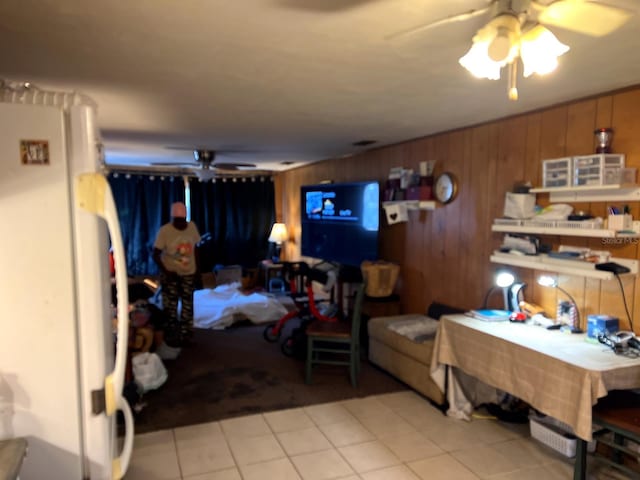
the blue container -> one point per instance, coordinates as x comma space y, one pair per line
599, 324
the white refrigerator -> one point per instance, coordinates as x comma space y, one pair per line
61, 373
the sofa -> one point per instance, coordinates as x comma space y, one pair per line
403, 344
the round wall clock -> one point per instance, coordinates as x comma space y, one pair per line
446, 187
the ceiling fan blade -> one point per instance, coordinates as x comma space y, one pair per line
178, 147
461, 17
177, 164
586, 17
220, 151
232, 166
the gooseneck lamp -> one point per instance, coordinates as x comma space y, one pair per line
548, 281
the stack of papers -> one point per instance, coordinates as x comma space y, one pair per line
490, 315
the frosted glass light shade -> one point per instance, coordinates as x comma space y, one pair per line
479, 64
539, 50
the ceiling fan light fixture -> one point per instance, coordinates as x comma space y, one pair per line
204, 156
494, 46
478, 63
504, 47
205, 175
504, 32
539, 50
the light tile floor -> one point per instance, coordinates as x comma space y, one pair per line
396, 436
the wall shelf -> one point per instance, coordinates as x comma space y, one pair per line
413, 204
558, 265
573, 232
592, 193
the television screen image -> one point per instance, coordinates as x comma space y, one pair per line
340, 222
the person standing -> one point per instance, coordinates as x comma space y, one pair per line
174, 250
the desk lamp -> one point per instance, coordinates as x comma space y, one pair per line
278, 236
504, 279
514, 294
547, 281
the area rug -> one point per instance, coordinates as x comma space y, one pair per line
235, 372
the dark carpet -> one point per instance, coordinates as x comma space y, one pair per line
235, 372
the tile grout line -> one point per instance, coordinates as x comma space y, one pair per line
282, 446
175, 447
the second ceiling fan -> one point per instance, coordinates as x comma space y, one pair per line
205, 167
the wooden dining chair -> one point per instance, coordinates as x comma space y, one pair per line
336, 343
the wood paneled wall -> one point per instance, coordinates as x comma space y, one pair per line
444, 254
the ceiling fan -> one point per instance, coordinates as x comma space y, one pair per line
205, 167
516, 29
589, 17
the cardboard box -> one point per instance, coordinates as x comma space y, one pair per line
598, 324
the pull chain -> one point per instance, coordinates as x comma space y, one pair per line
513, 76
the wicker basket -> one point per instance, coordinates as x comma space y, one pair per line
380, 277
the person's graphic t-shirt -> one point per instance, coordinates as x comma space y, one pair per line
178, 248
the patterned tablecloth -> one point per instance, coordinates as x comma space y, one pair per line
560, 374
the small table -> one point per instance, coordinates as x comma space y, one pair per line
270, 270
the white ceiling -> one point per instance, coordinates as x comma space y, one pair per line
282, 80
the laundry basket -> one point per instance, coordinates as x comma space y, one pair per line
380, 277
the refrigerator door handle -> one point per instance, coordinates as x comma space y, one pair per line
121, 464
94, 195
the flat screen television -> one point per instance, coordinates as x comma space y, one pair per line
340, 222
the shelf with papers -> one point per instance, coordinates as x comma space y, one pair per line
558, 265
591, 193
573, 232
413, 204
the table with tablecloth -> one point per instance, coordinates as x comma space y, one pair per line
560, 374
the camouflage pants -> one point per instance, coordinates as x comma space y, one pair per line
176, 289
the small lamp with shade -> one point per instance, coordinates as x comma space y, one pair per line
278, 235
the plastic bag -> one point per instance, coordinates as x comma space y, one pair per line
557, 211
519, 205
148, 371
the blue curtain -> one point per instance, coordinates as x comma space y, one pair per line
235, 217
144, 205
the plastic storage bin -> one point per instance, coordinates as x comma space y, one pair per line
619, 176
591, 169
556, 172
557, 435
